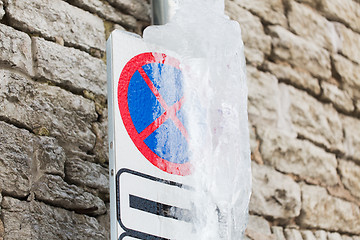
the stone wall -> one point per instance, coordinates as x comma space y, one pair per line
304, 108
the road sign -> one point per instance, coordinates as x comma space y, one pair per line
149, 165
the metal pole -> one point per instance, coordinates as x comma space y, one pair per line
162, 11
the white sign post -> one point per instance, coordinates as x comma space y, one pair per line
149, 189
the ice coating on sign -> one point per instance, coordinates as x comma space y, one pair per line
210, 50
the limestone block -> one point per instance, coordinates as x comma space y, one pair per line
100, 129
87, 174
258, 228
300, 52
308, 235
2, 12
295, 76
311, 119
349, 73
346, 11
350, 176
307, 23
55, 191
292, 234
254, 56
106, 11
321, 235
56, 18
36, 220
252, 31
138, 8
104, 221
62, 115
320, 210
15, 49
23, 155
274, 194
352, 137
278, 233
263, 98
340, 99
334, 236
271, 11
299, 157
69, 67
350, 42
345, 237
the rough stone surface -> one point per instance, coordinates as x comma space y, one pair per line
307, 23
258, 228
352, 137
271, 11
300, 53
321, 235
87, 174
349, 73
106, 11
278, 233
311, 119
298, 157
340, 99
294, 76
308, 235
320, 210
137, 8
346, 11
56, 18
350, 42
274, 194
292, 234
15, 49
263, 99
69, 67
334, 236
55, 191
23, 156
36, 220
2, 12
350, 176
63, 115
257, 43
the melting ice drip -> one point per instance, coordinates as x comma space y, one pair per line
214, 85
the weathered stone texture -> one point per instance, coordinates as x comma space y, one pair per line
2, 12
106, 11
55, 191
334, 236
307, 23
271, 11
292, 234
320, 210
15, 49
308, 235
294, 76
298, 157
69, 67
352, 137
349, 73
300, 53
23, 156
63, 115
350, 176
278, 233
137, 8
340, 99
321, 235
346, 11
313, 120
36, 220
350, 42
258, 228
263, 98
87, 174
56, 18
274, 194
257, 43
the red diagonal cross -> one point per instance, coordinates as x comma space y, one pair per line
170, 112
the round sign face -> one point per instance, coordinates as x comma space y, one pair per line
150, 98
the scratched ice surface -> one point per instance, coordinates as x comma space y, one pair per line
214, 113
